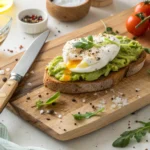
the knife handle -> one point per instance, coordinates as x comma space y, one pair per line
6, 92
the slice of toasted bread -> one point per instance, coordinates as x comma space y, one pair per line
92, 86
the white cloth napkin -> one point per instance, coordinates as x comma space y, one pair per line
5, 143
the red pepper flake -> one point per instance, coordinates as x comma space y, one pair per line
32, 19
20, 47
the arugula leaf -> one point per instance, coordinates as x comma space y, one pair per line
87, 115
147, 50
51, 100
138, 134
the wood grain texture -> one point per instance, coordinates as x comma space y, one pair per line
65, 128
101, 3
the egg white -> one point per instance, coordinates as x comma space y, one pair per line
92, 59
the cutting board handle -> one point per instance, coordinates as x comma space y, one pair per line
6, 92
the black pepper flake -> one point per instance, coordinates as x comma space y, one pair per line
133, 113
47, 93
134, 38
129, 127
117, 31
51, 112
58, 31
39, 96
98, 58
75, 124
90, 103
28, 98
146, 140
93, 107
123, 94
65, 130
48, 119
16, 59
79, 113
54, 103
136, 90
112, 98
4, 79
74, 100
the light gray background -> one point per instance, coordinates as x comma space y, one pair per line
23, 133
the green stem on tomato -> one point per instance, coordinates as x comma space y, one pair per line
145, 19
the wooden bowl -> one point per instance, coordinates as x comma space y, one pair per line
64, 13
101, 3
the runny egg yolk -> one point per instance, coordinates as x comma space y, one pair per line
67, 72
73, 63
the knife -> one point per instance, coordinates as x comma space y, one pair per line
21, 69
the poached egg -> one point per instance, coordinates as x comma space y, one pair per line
84, 61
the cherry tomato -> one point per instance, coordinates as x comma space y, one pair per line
143, 7
134, 20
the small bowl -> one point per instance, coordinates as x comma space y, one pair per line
33, 28
67, 13
5, 25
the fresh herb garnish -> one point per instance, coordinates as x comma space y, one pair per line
51, 100
148, 71
109, 30
147, 50
87, 115
85, 43
138, 134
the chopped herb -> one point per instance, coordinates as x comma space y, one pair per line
88, 43
109, 30
50, 101
87, 115
147, 50
148, 71
138, 134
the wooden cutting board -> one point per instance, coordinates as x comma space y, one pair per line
67, 128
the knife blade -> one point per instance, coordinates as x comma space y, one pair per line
21, 69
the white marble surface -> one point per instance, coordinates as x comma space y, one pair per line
23, 133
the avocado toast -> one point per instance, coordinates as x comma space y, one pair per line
94, 63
